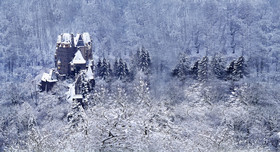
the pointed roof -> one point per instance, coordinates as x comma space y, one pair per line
80, 41
89, 73
78, 59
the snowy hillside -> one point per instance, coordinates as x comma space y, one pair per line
169, 75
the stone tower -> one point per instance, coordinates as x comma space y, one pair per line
66, 47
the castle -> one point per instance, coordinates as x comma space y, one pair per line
73, 58
73, 53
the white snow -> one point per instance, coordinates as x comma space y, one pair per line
76, 39
86, 37
45, 77
78, 59
59, 39
49, 77
78, 96
278, 134
89, 74
66, 37
70, 93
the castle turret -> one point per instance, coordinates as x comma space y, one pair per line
65, 51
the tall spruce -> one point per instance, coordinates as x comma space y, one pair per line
182, 70
141, 61
239, 69
98, 68
194, 70
105, 70
203, 69
218, 68
229, 71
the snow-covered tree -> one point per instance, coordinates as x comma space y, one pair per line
142, 61
218, 67
240, 69
77, 118
142, 90
203, 69
121, 70
104, 70
182, 70
98, 68
194, 70
229, 70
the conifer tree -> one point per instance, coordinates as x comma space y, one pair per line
110, 72
182, 70
144, 61
116, 67
126, 71
229, 71
141, 62
194, 70
121, 69
98, 68
203, 69
105, 70
218, 68
239, 69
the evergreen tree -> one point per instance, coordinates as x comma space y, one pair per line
194, 70
105, 70
148, 59
218, 68
144, 61
116, 68
141, 62
110, 72
229, 71
239, 69
126, 71
98, 68
121, 69
182, 70
203, 69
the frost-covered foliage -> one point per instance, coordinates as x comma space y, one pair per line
226, 97
123, 117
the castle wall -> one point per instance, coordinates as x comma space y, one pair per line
65, 56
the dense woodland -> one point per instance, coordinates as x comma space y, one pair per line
170, 75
